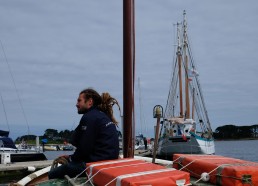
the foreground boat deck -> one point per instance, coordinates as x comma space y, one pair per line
194, 164
83, 180
10, 168
23, 166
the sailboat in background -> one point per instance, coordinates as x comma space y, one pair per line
141, 141
186, 127
9, 152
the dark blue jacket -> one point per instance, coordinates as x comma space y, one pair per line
95, 138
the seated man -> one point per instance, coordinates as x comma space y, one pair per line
95, 138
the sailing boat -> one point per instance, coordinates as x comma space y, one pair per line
186, 127
9, 153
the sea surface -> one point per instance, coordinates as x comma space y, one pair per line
242, 149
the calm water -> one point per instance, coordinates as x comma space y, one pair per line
246, 150
51, 155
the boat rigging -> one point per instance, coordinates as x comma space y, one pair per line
186, 127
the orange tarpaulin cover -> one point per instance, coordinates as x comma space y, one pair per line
222, 170
134, 173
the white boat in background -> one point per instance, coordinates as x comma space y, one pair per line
9, 153
142, 143
186, 127
68, 147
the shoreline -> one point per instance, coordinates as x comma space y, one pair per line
240, 139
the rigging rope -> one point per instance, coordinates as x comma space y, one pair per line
5, 112
199, 104
16, 90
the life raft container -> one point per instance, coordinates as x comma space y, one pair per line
129, 171
218, 170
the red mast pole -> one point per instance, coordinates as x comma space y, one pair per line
128, 145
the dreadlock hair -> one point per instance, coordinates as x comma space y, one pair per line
107, 105
104, 102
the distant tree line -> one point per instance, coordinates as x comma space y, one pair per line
236, 132
221, 133
50, 135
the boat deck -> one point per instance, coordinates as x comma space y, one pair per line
80, 181
6, 169
23, 166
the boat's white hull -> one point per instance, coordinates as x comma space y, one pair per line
194, 145
9, 153
206, 146
20, 156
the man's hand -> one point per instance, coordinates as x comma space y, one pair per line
64, 156
64, 159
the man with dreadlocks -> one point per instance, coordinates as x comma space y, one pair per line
95, 138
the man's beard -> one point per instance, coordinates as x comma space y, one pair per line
82, 110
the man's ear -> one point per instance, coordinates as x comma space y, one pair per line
91, 101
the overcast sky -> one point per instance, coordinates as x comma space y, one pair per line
53, 49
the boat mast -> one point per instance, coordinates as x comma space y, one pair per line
140, 103
193, 103
179, 57
187, 101
128, 58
